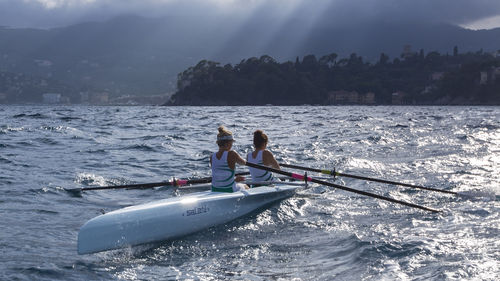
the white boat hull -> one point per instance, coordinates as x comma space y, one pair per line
173, 217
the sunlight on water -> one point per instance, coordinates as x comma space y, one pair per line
366, 164
91, 179
321, 233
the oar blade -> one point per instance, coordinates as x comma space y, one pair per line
74, 192
485, 195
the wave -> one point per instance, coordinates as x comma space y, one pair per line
96, 151
436, 117
46, 190
147, 137
152, 137
4, 160
357, 118
53, 128
4, 145
47, 212
41, 273
6, 180
104, 133
25, 144
69, 118
176, 137
487, 126
140, 147
88, 179
400, 126
7, 129
34, 116
374, 139
47, 141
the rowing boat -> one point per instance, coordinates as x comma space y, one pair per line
173, 217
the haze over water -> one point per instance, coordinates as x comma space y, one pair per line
319, 234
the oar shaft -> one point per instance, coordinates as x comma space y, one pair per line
334, 173
297, 176
375, 195
393, 182
306, 168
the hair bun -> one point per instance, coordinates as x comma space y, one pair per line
259, 138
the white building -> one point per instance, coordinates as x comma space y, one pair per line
483, 78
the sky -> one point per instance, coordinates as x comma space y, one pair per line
473, 14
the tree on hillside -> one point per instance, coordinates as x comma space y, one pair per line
424, 78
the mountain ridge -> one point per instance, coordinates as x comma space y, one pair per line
143, 56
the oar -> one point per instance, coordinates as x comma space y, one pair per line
334, 173
174, 182
302, 177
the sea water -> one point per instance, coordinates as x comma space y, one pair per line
319, 234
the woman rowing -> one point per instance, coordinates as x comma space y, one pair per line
261, 156
223, 164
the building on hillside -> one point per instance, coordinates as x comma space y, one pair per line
407, 51
367, 98
495, 73
140, 100
343, 97
65, 100
84, 97
399, 98
100, 98
489, 76
51, 98
483, 77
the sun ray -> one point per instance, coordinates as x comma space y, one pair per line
486, 23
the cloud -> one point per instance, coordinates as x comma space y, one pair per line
484, 23
52, 13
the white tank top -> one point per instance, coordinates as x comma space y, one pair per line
258, 175
222, 175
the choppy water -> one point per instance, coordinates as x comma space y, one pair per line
319, 234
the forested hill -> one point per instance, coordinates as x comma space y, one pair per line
131, 55
415, 78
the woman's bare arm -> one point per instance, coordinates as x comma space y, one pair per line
268, 159
232, 158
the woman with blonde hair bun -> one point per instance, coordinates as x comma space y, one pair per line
223, 164
261, 156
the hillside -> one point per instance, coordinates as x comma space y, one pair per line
415, 79
132, 55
